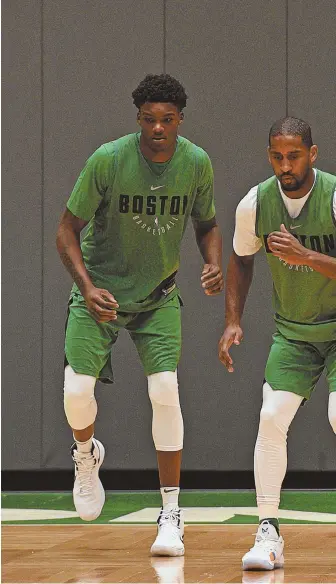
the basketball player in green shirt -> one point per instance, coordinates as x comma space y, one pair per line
135, 195
292, 215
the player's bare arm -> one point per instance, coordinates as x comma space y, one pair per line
238, 281
100, 302
209, 241
286, 247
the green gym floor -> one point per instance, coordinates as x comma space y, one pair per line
142, 507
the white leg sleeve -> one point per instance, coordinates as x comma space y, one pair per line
167, 426
79, 401
270, 455
332, 410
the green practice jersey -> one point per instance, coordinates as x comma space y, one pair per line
304, 300
137, 216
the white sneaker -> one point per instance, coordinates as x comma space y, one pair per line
267, 552
88, 492
169, 540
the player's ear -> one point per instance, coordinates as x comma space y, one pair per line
181, 117
269, 154
313, 153
138, 117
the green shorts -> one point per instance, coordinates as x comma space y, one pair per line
156, 335
296, 366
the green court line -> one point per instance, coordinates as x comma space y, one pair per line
122, 503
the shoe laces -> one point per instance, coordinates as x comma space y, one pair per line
265, 540
170, 517
85, 463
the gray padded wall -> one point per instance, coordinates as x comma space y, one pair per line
312, 72
22, 235
232, 59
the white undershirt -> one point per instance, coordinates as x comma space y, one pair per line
245, 241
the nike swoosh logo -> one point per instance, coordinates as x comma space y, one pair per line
155, 188
295, 226
168, 490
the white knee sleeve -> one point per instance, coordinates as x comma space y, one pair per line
167, 426
270, 455
332, 410
79, 401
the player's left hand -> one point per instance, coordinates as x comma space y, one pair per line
212, 279
286, 247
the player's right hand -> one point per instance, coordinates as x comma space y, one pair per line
233, 334
101, 304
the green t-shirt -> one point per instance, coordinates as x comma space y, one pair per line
137, 217
304, 299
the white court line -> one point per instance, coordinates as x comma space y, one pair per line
148, 515
121, 525
218, 515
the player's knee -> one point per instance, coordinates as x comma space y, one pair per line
78, 387
271, 425
79, 401
163, 389
332, 410
167, 426
268, 416
333, 423
332, 419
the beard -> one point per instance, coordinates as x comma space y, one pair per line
295, 183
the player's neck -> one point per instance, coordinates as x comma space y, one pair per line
156, 156
304, 189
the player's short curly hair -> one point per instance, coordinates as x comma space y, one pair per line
290, 126
160, 88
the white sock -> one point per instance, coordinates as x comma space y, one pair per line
170, 497
84, 447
